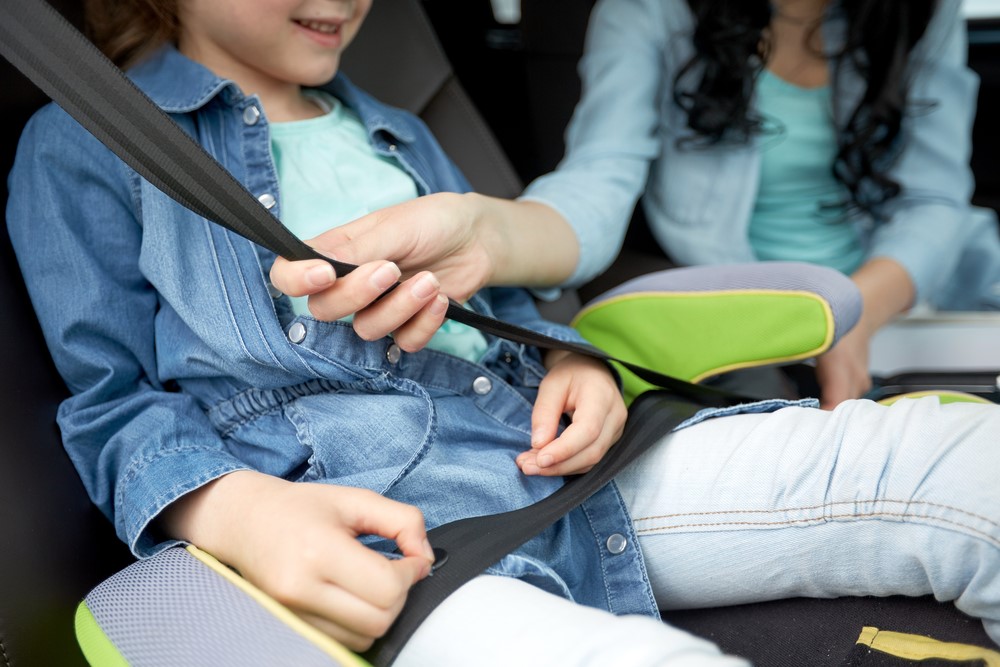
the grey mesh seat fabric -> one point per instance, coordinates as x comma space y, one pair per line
182, 607
414, 74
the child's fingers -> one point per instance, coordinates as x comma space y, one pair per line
352, 640
574, 440
402, 523
350, 619
550, 404
598, 420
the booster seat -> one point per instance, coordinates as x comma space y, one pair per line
57, 547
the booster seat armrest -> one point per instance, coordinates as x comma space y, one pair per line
183, 607
698, 322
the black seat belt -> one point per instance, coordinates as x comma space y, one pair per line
57, 58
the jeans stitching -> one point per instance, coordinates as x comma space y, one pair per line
822, 506
833, 517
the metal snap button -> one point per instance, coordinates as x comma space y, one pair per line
393, 354
482, 385
393, 148
251, 115
268, 200
617, 543
297, 332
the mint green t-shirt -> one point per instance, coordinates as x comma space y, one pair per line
328, 175
800, 212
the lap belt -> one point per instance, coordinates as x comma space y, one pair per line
63, 63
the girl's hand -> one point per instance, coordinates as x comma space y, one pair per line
298, 543
584, 389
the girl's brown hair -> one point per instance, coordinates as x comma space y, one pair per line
127, 30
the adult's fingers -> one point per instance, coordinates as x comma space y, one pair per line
413, 304
366, 239
419, 329
303, 277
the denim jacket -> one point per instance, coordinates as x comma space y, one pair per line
184, 364
622, 144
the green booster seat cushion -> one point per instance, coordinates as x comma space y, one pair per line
698, 322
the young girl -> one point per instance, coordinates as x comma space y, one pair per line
210, 407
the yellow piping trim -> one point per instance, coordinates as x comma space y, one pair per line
824, 304
962, 396
916, 647
323, 641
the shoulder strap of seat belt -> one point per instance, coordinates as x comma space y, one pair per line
57, 58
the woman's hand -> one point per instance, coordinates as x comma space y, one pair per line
584, 389
298, 543
842, 372
886, 291
441, 244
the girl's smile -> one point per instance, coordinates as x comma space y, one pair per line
271, 48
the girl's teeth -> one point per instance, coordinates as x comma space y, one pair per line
327, 28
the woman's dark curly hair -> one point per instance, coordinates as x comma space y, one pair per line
731, 49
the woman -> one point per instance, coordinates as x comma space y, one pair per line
833, 132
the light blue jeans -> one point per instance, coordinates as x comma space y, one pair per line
864, 500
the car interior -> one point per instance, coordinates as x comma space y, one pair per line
497, 90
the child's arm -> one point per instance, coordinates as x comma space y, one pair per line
298, 543
584, 389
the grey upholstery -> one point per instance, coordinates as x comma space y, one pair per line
410, 70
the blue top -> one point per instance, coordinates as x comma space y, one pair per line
320, 193
800, 213
622, 143
184, 366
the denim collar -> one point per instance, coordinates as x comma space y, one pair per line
178, 84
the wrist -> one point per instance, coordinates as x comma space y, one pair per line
492, 236
208, 515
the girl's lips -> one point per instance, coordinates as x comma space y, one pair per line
324, 33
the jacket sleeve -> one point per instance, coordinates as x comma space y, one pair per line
137, 445
925, 228
613, 135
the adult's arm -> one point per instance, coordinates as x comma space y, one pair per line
926, 228
614, 133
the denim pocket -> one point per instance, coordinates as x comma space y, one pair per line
367, 436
